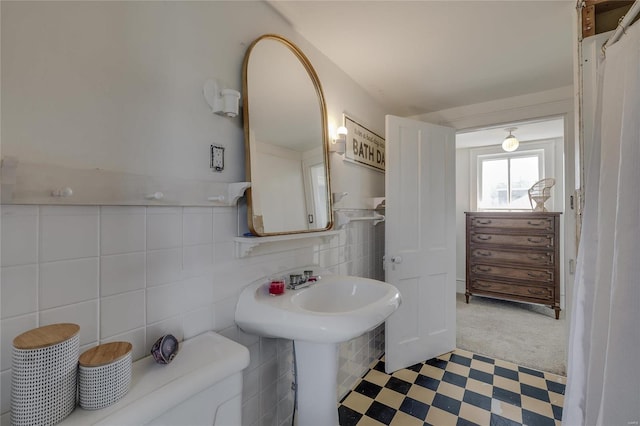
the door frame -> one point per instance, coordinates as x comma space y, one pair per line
535, 106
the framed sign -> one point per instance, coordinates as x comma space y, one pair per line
364, 146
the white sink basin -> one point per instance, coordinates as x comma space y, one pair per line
335, 309
339, 295
317, 318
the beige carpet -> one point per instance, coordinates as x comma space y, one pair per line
525, 334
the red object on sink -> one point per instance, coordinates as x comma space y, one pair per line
276, 287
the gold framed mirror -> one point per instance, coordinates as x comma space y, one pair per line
286, 140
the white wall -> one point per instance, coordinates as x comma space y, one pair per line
117, 86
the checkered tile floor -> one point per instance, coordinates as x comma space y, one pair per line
459, 388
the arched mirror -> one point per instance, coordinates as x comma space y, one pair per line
285, 140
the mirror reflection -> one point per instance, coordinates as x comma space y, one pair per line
285, 140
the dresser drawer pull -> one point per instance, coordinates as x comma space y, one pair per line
537, 223
536, 257
483, 268
484, 237
537, 275
537, 292
483, 222
483, 253
535, 240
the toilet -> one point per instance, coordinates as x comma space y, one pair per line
201, 386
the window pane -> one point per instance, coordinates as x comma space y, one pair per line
524, 173
494, 184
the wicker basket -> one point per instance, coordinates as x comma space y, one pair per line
104, 374
43, 374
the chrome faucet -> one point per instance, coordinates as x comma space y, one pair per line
297, 281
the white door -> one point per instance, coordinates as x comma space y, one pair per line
420, 240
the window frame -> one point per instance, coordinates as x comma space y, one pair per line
509, 156
546, 167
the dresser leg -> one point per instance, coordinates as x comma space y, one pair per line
466, 296
557, 309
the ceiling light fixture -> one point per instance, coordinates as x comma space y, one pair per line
510, 143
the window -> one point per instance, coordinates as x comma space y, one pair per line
504, 179
501, 180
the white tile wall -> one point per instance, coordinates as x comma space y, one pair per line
122, 229
85, 314
137, 273
197, 226
68, 232
164, 301
197, 322
120, 273
164, 227
163, 266
19, 235
9, 329
68, 281
19, 293
121, 313
5, 389
136, 338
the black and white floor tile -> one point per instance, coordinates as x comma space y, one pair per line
460, 388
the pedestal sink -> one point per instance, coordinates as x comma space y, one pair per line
318, 318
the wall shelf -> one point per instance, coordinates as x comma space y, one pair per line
246, 245
342, 218
28, 183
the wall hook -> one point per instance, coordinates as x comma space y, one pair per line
62, 192
155, 196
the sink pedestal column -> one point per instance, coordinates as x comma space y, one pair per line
317, 383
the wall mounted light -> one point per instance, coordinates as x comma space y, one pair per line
510, 143
339, 143
223, 102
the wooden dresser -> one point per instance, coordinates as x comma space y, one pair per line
515, 256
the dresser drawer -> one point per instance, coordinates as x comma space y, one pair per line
527, 258
543, 223
505, 272
538, 241
525, 291
514, 255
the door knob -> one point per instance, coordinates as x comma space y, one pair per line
396, 259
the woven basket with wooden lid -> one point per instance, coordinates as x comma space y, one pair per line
104, 374
43, 374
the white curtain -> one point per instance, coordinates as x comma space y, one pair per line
603, 375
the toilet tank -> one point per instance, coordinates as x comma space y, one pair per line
201, 386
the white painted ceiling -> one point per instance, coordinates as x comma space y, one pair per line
525, 132
422, 56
